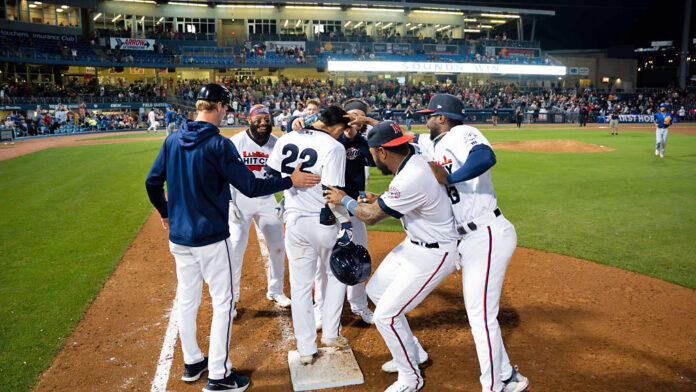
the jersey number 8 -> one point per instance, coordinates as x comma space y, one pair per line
291, 152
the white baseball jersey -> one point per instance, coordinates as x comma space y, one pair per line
320, 154
416, 198
473, 198
255, 158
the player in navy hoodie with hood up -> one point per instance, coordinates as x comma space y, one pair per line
198, 164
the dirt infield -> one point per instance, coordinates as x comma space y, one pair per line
571, 325
553, 145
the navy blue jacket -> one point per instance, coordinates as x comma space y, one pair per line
358, 156
198, 165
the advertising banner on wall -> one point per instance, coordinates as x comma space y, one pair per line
24, 34
133, 43
426, 67
629, 118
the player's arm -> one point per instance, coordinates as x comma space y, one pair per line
480, 159
154, 184
370, 213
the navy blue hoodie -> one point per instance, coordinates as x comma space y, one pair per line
198, 164
358, 156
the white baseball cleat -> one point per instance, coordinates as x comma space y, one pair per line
234, 311
657, 152
400, 387
516, 382
308, 359
339, 342
279, 299
662, 155
365, 314
390, 366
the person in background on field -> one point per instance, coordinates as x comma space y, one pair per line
614, 122
519, 116
170, 119
663, 119
409, 116
494, 117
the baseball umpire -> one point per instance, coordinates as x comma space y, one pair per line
198, 163
463, 158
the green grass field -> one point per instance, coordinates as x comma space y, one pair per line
70, 214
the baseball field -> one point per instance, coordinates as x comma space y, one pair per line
599, 296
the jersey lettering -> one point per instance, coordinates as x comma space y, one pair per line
255, 161
291, 152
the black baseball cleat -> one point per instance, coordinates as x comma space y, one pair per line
193, 372
232, 383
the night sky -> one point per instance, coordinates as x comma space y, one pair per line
599, 24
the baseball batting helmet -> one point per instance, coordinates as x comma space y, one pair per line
215, 93
350, 263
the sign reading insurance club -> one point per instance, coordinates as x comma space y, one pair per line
426, 67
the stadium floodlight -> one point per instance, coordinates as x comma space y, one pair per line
59, 10
243, 6
298, 23
188, 4
444, 28
160, 20
97, 16
425, 67
32, 5
376, 9
347, 23
470, 19
139, 1
359, 24
413, 28
142, 19
64, 6
116, 18
497, 21
309, 7
472, 30
445, 12
483, 26
501, 16
388, 25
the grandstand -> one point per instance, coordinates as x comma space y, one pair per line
121, 58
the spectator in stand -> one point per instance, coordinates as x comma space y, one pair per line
388, 113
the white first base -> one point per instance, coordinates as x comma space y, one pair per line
332, 368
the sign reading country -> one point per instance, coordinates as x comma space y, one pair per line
133, 43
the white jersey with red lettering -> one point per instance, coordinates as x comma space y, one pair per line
487, 244
262, 210
311, 230
416, 266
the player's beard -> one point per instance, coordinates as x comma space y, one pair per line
260, 137
382, 167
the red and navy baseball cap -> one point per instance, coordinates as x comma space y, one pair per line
387, 134
447, 104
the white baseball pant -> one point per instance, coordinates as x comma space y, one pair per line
661, 139
357, 297
305, 241
213, 264
403, 280
262, 211
485, 255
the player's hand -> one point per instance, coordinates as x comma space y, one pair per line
359, 121
333, 195
369, 198
298, 124
439, 172
301, 179
165, 223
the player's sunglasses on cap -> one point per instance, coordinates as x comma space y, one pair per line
259, 109
447, 104
216, 93
387, 134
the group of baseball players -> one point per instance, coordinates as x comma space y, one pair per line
441, 191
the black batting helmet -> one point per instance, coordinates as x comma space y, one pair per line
214, 92
350, 263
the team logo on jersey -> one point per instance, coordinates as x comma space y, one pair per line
255, 161
393, 193
352, 153
444, 161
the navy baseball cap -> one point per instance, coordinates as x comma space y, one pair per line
447, 104
387, 134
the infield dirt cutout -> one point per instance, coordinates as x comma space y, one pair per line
553, 145
570, 325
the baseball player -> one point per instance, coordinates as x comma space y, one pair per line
152, 120
170, 119
198, 164
312, 228
663, 119
358, 158
463, 157
416, 266
614, 122
255, 145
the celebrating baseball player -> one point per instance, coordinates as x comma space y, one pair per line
198, 163
358, 158
255, 145
312, 229
463, 157
663, 119
416, 266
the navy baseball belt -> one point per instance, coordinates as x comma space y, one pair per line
433, 245
473, 226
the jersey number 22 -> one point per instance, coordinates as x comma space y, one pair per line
291, 152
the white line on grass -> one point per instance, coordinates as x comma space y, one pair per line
159, 383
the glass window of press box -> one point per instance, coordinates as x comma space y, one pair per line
40, 12
156, 27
